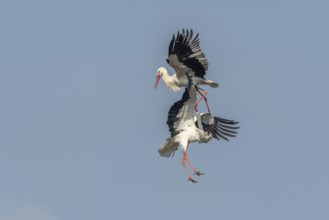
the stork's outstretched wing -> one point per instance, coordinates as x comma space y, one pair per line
185, 55
219, 127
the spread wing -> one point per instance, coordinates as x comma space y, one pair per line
218, 127
185, 55
181, 113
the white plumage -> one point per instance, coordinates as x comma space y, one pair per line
185, 127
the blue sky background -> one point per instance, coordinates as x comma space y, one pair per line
80, 123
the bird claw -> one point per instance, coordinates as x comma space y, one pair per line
198, 173
192, 180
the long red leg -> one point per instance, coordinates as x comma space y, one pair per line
195, 171
196, 106
206, 100
186, 170
203, 96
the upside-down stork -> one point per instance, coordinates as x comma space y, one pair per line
185, 56
187, 128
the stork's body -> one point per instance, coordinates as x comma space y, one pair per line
185, 57
185, 129
174, 83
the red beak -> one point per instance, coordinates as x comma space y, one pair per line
156, 81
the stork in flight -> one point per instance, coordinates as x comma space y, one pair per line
187, 128
185, 56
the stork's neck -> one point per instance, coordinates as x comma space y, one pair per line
166, 77
171, 81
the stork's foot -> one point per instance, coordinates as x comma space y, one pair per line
198, 173
192, 180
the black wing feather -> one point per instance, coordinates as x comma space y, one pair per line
188, 52
219, 127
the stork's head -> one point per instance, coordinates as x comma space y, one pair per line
160, 72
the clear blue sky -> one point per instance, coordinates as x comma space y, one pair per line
80, 123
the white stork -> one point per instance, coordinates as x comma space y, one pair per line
185, 128
185, 56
